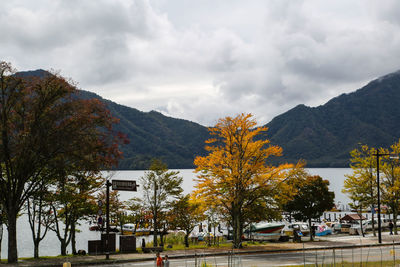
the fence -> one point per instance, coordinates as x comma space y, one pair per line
370, 255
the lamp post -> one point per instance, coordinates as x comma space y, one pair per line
377, 155
108, 184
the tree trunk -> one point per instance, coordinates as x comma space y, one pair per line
12, 235
162, 239
73, 241
155, 216
36, 249
237, 235
373, 225
187, 239
395, 213
155, 234
63, 247
1, 235
312, 230
361, 223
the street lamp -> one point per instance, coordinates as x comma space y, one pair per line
377, 155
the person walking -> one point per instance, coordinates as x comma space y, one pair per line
166, 261
159, 260
391, 227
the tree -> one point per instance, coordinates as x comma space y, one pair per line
312, 199
137, 214
72, 200
44, 125
39, 216
117, 207
391, 181
186, 213
160, 188
2, 220
361, 185
235, 175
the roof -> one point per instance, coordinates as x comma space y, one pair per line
352, 217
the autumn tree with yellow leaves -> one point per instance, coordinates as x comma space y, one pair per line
361, 186
235, 176
391, 180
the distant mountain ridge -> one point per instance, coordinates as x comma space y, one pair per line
151, 134
325, 135
322, 135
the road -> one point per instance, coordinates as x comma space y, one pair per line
337, 256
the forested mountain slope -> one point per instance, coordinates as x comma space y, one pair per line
151, 135
324, 135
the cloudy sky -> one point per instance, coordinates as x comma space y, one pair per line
205, 59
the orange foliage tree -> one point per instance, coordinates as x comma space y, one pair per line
235, 176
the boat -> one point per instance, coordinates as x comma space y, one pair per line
299, 226
264, 231
323, 230
130, 228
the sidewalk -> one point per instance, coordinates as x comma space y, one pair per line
328, 242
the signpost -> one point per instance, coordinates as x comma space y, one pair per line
124, 185
121, 185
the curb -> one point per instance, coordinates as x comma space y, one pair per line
225, 253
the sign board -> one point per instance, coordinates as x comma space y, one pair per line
124, 185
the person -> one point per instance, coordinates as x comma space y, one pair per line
313, 230
295, 236
159, 260
391, 227
143, 243
166, 261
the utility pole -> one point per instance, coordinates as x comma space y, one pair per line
377, 155
108, 184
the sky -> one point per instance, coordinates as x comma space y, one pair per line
206, 59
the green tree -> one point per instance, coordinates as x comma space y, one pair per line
160, 188
235, 175
72, 200
312, 199
136, 213
185, 214
117, 207
361, 185
43, 123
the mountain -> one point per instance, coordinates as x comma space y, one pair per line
151, 134
325, 135
322, 135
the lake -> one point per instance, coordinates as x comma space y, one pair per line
50, 245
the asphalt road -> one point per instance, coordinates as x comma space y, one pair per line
371, 254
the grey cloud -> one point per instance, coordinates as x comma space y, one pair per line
262, 57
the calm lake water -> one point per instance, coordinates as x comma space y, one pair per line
50, 245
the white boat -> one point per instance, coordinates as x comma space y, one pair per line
299, 226
264, 231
